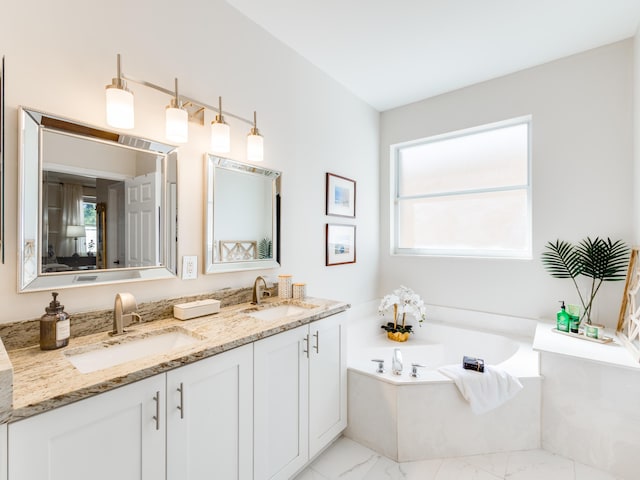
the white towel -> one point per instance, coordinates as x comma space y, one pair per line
483, 390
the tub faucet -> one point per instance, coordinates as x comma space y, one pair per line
258, 292
124, 307
396, 362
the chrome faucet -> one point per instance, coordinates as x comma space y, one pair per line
396, 362
258, 292
124, 306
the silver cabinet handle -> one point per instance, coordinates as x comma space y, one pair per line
181, 406
317, 346
306, 341
156, 417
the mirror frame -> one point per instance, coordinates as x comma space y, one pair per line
30, 276
212, 163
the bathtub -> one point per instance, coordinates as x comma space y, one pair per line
410, 419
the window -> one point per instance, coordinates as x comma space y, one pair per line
464, 193
89, 212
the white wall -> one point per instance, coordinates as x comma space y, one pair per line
59, 57
582, 179
636, 138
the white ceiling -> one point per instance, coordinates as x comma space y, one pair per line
394, 52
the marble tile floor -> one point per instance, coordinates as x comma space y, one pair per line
348, 460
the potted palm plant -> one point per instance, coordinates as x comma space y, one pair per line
598, 259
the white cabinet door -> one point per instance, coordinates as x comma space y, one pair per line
327, 381
209, 418
281, 404
113, 435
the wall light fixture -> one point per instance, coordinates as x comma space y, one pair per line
176, 120
120, 114
255, 143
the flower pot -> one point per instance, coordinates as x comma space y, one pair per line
398, 337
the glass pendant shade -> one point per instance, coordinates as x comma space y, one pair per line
255, 147
177, 125
220, 137
119, 107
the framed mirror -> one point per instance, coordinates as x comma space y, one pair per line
242, 227
95, 206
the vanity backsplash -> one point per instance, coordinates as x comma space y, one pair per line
26, 333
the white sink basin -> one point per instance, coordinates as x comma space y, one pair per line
92, 358
275, 313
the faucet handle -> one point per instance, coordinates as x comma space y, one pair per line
380, 365
414, 369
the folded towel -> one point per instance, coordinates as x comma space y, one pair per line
484, 391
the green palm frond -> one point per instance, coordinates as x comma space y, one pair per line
603, 259
562, 260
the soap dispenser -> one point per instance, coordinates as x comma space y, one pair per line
562, 319
55, 327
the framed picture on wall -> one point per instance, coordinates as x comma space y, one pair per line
341, 244
341, 196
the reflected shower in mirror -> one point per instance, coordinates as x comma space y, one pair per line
243, 216
106, 210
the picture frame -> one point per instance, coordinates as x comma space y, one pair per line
341, 196
341, 244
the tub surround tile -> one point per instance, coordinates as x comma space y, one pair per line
613, 354
435, 421
590, 413
43, 380
372, 414
427, 421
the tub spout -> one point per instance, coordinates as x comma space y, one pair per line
396, 362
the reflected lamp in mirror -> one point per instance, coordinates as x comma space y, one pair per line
75, 232
118, 193
242, 227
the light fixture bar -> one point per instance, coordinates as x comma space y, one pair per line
184, 98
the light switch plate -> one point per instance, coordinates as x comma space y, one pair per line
189, 267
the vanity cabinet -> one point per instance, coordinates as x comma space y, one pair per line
113, 435
260, 411
205, 422
299, 396
209, 418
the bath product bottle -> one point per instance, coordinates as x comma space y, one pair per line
55, 327
574, 318
562, 319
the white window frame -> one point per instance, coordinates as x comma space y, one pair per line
483, 253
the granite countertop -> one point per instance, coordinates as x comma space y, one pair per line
43, 380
